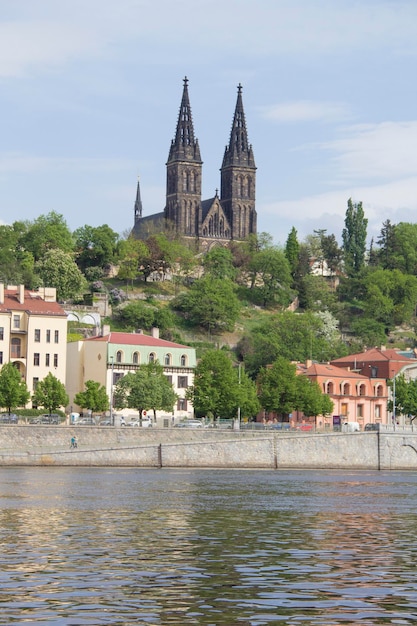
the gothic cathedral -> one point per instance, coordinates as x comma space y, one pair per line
232, 216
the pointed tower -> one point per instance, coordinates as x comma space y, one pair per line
184, 168
138, 205
238, 177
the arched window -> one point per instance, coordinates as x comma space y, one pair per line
16, 343
136, 358
361, 390
330, 388
183, 360
119, 356
167, 359
345, 389
152, 357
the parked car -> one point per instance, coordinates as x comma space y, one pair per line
146, 422
86, 421
8, 418
106, 421
189, 424
372, 427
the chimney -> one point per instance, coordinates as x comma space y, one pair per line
106, 330
155, 332
1, 293
21, 294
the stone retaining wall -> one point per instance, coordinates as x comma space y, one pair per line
151, 447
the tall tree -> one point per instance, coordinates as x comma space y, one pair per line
147, 388
45, 233
95, 246
94, 397
278, 387
50, 393
354, 238
58, 269
292, 251
13, 390
217, 390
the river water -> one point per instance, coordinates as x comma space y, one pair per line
160, 547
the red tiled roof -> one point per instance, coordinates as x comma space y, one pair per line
137, 339
32, 304
324, 369
374, 354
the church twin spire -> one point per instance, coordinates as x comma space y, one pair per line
185, 147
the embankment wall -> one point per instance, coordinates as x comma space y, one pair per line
136, 447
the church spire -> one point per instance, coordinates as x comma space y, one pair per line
138, 204
239, 152
185, 147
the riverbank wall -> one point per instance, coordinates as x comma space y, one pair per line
208, 448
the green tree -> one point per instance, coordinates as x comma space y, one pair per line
147, 388
217, 391
311, 400
94, 397
218, 263
95, 246
292, 250
13, 390
354, 238
211, 303
133, 254
50, 393
278, 387
271, 277
58, 269
47, 232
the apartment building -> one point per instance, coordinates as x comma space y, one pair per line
33, 333
108, 357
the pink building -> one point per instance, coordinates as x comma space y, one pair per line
356, 398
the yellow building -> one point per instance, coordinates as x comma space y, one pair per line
33, 333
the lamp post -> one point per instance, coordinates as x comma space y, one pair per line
111, 390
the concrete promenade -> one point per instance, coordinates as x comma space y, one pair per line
208, 448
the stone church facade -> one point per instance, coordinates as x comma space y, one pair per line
220, 219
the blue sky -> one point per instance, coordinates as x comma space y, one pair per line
90, 92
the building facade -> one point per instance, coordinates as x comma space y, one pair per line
33, 333
355, 397
105, 359
220, 219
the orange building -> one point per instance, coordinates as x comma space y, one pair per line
356, 398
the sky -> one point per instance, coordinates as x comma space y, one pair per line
90, 92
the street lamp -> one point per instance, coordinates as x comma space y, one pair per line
111, 390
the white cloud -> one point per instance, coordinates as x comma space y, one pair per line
305, 111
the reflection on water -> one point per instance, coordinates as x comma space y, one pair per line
128, 546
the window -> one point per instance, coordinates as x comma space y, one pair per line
182, 382
1, 358
152, 357
378, 411
116, 377
1, 333
167, 359
359, 410
374, 371
344, 409
47, 360
55, 360
136, 358
330, 388
36, 358
361, 390
15, 348
35, 382
345, 389
48, 336
183, 360
16, 321
37, 335
182, 404
379, 391
56, 337
119, 356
